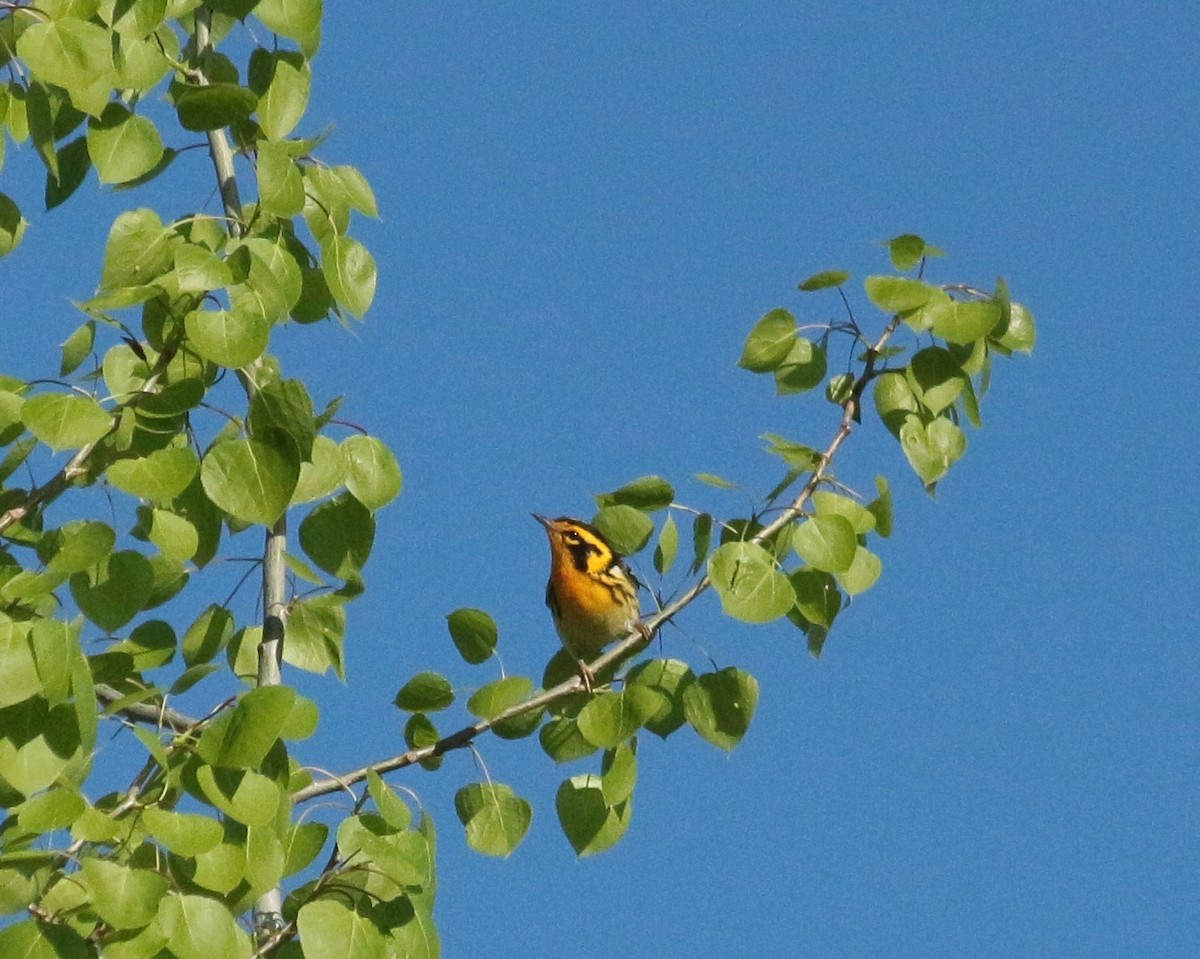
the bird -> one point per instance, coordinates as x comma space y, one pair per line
591, 593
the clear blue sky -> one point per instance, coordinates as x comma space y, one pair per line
584, 211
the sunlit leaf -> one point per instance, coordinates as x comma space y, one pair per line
496, 818
769, 343
721, 705
749, 583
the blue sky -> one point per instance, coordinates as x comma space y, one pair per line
584, 210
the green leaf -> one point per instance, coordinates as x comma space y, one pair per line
250, 480
392, 808
40, 940
419, 733
282, 80
151, 644
55, 650
648, 494
936, 377
268, 280
802, 369
373, 475
519, 726
204, 108
824, 280
12, 225
931, 449
474, 633
908, 250
246, 796
208, 635
957, 322
618, 773
769, 343
137, 19
750, 585
834, 504
254, 726
298, 19
142, 62
65, 420
350, 272
796, 456
839, 388
826, 542
324, 474
48, 811
176, 538
69, 53
701, 541
158, 476
199, 270
77, 546
338, 535
185, 834
425, 692
897, 294
611, 718
220, 869
496, 818
122, 146
669, 678
201, 928
17, 665
328, 927
72, 163
227, 338
316, 632
625, 528
124, 898
77, 347
491, 700
715, 481
111, 593
881, 507
562, 741
818, 599
668, 546
284, 406
721, 705
1021, 333
137, 252
863, 572
280, 185
191, 676
356, 190
895, 400
590, 824
304, 843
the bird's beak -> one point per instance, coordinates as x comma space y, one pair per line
541, 519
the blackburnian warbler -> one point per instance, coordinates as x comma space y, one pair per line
591, 593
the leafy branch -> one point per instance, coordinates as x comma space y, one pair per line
635, 641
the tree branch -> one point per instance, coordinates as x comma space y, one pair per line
218, 145
635, 640
153, 713
269, 906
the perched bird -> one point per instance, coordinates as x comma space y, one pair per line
591, 593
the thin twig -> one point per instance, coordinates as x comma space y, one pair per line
636, 640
